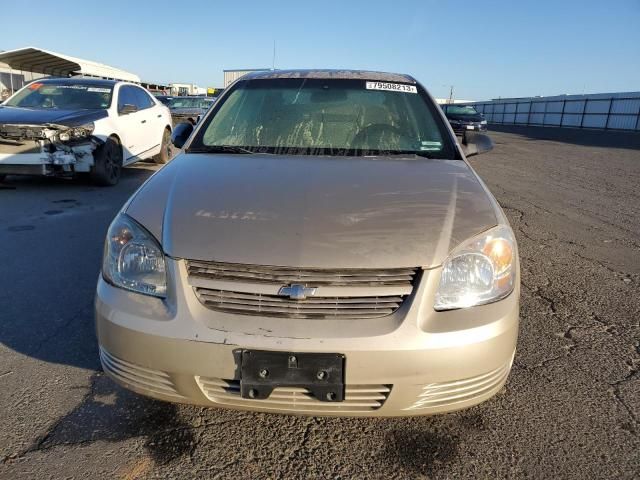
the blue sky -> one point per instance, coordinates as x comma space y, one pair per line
486, 49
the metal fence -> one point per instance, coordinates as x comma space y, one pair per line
608, 111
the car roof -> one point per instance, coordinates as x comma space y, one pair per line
98, 82
331, 74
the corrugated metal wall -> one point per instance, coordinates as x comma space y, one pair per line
12, 80
10, 84
231, 76
616, 111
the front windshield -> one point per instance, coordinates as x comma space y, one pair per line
63, 95
461, 110
190, 103
330, 117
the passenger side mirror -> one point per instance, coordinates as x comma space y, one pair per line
476, 143
181, 134
127, 108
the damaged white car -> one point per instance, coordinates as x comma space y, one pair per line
71, 126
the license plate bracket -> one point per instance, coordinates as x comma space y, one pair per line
322, 374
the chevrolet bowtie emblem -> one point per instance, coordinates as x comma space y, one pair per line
297, 291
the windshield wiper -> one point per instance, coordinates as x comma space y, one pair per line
221, 149
407, 153
422, 153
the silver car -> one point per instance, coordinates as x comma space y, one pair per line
320, 247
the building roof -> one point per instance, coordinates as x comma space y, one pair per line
96, 82
331, 74
37, 60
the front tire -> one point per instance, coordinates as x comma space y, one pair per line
165, 148
107, 163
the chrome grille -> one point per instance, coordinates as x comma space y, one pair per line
312, 307
358, 398
312, 276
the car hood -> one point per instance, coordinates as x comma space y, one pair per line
39, 116
339, 212
466, 118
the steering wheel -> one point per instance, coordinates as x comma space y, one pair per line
375, 130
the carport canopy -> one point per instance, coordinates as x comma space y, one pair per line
37, 60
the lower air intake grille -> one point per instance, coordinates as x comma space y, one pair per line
358, 398
437, 395
152, 381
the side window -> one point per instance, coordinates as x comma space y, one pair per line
126, 96
142, 99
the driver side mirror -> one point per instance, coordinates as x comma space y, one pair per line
181, 134
127, 108
476, 143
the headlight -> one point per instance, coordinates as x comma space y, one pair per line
76, 133
133, 259
83, 131
483, 122
479, 271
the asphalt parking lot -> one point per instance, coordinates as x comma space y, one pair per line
570, 409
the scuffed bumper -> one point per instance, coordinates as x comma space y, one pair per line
170, 353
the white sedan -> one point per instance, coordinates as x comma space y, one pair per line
70, 126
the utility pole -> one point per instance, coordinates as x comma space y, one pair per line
273, 61
451, 94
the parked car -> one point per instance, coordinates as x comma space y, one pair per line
189, 109
322, 246
69, 126
164, 99
464, 117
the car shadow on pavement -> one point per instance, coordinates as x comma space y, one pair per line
168, 433
113, 414
420, 451
51, 238
585, 137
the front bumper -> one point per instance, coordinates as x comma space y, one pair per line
62, 161
471, 127
25, 169
414, 362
